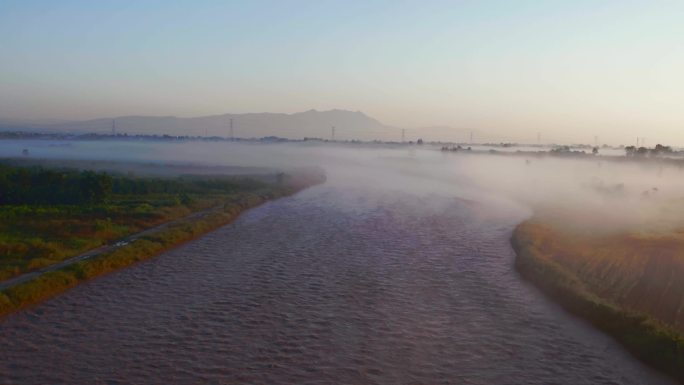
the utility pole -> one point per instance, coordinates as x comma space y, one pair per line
333, 133
232, 133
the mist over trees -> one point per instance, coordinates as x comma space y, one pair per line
41, 186
658, 150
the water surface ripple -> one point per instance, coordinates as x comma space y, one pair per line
331, 286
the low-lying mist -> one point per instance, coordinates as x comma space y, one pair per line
588, 193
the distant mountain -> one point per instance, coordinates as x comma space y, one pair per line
302, 124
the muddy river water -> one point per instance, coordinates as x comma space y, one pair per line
362, 280
334, 285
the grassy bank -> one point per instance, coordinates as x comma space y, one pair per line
52, 283
542, 258
48, 215
216, 202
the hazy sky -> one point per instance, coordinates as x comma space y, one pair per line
510, 69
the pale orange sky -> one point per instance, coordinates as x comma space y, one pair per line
570, 70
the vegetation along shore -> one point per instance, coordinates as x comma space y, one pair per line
625, 284
51, 218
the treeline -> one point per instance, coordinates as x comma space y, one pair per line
187, 185
41, 186
658, 150
36, 185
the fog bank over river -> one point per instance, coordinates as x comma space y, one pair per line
612, 194
397, 270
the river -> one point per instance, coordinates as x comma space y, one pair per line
343, 283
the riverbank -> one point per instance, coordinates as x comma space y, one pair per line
625, 285
148, 243
50, 212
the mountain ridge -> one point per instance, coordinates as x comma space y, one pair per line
310, 123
